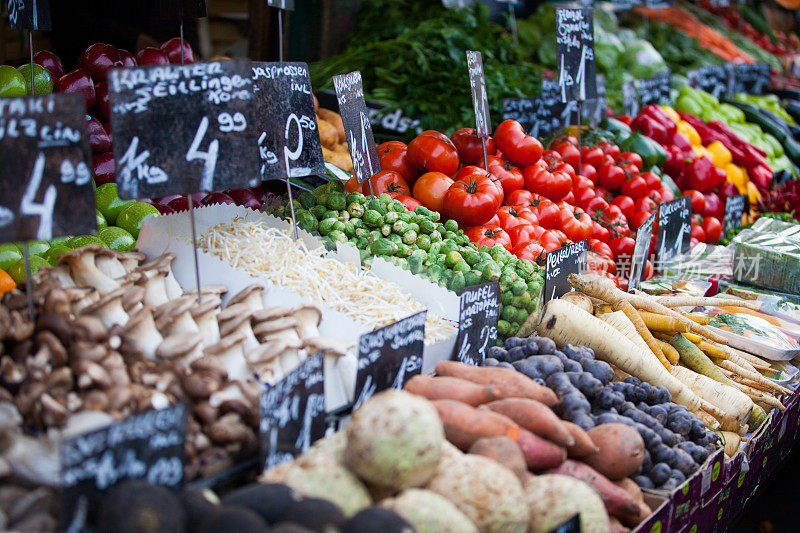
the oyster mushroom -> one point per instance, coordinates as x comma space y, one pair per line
240, 324
109, 308
181, 348
57, 354
177, 318
208, 290
230, 353
164, 262
133, 299
81, 297
59, 273
109, 264
265, 361
89, 328
205, 316
251, 296
130, 260
154, 282
229, 429
280, 328
141, 333
84, 271
308, 319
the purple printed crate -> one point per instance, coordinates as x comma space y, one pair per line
659, 520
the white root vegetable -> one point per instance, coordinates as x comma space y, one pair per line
568, 324
623, 324
753, 376
736, 404
696, 301
732, 441
580, 300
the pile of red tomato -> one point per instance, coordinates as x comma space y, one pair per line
532, 200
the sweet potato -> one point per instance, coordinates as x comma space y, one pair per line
617, 501
445, 388
511, 383
535, 417
463, 424
620, 453
539, 454
631, 488
583, 446
616, 527
503, 450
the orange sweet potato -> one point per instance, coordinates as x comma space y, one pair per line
503, 450
584, 446
445, 388
535, 417
463, 424
510, 383
540, 454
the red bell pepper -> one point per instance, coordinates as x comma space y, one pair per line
734, 137
761, 175
661, 116
701, 174
651, 127
682, 142
675, 161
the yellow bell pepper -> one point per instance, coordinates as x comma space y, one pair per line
672, 113
690, 133
700, 151
752, 193
720, 155
738, 176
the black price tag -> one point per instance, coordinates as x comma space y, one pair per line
149, 446
293, 413
284, 104
714, 80
282, 4
630, 99
575, 53
560, 263
674, 228
751, 79
573, 525
477, 323
29, 14
524, 111
182, 129
389, 356
480, 102
641, 251
544, 115
595, 109
46, 177
178, 9
350, 95
654, 90
735, 208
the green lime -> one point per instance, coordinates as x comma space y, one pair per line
59, 240
41, 78
55, 250
101, 220
17, 270
37, 247
9, 254
132, 217
12, 82
117, 239
83, 240
108, 202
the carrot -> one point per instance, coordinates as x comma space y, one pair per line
446, 388
712, 350
540, 454
641, 329
584, 446
702, 320
535, 417
702, 301
463, 424
694, 358
656, 322
618, 501
503, 450
509, 383
669, 352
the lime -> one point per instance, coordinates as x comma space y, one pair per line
83, 240
117, 239
17, 270
37, 247
58, 240
12, 82
41, 78
9, 254
51, 255
108, 202
132, 217
101, 220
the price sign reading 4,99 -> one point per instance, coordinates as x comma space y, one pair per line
735, 208
46, 174
357, 128
389, 356
289, 143
674, 229
480, 102
148, 446
293, 413
575, 53
182, 129
477, 323
641, 250
29, 14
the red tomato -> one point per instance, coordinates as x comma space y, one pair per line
601, 248
629, 169
532, 251
698, 200
469, 170
387, 181
589, 172
410, 203
607, 195
569, 153
652, 180
638, 218
434, 152
510, 216
489, 236
666, 194
625, 204
353, 185
654, 195
646, 204
507, 176
609, 149
430, 189
563, 166
569, 198
600, 232
591, 155
523, 234
698, 233
713, 229
648, 270
472, 200
393, 157
581, 181
714, 206
553, 185
517, 147
547, 212
391, 144
635, 187
576, 224
596, 204
622, 247
583, 196
469, 146
633, 158
558, 236
600, 264
610, 176
521, 197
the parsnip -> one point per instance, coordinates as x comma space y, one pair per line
736, 404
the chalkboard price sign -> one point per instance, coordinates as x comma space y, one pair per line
149, 446
477, 323
751, 79
714, 80
177, 9
480, 102
641, 251
575, 53
289, 144
350, 95
560, 263
674, 229
630, 99
46, 175
654, 90
735, 208
180, 129
595, 108
29, 14
389, 356
293, 413
282, 4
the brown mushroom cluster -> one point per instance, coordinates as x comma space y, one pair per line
115, 336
